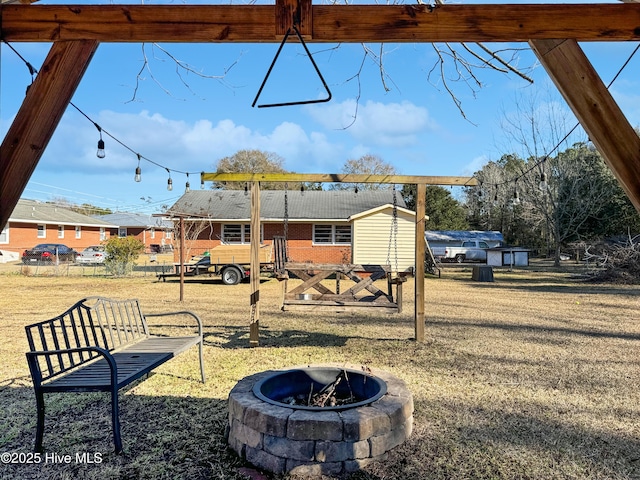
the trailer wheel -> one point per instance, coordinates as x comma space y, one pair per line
459, 258
231, 276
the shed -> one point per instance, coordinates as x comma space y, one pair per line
372, 237
508, 257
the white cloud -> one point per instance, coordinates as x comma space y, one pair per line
179, 145
376, 123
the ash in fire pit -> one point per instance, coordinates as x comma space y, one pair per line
320, 388
372, 414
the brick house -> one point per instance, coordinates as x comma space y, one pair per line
155, 232
326, 226
33, 222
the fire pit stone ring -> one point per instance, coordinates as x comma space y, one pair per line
283, 438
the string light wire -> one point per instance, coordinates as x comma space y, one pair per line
557, 146
33, 72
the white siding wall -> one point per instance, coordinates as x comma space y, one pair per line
371, 239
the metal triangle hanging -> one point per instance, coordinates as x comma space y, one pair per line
301, 102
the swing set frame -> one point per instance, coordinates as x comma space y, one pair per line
420, 181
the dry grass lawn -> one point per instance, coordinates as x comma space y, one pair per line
534, 376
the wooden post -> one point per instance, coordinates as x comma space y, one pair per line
181, 258
254, 334
420, 250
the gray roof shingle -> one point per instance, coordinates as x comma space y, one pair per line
32, 211
141, 220
312, 205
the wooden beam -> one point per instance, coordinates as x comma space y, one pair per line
290, 12
330, 23
421, 197
338, 178
254, 277
595, 108
38, 117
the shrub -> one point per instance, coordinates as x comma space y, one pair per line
122, 252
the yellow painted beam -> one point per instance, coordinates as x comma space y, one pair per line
339, 178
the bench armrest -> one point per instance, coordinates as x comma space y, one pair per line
36, 373
182, 312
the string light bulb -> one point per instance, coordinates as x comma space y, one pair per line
302, 190
246, 189
169, 181
138, 176
516, 196
100, 153
543, 185
187, 186
202, 180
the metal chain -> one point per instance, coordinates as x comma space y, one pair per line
393, 233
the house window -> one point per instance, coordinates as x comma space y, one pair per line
122, 232
60, 231
332, 234
103, 234
167, 234
4, 235
342, 234
78, 231
234, 233
153, 232
238, 233
42, 231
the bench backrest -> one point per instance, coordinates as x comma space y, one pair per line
92, 322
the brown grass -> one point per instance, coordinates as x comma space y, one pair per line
533, 376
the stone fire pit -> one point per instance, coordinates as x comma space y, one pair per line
308, 440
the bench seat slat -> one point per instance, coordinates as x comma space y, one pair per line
133, 362
96, 377
174, 345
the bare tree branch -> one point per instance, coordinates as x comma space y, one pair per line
510, 67
182, 68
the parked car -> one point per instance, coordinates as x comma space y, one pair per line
95, 254
49, 253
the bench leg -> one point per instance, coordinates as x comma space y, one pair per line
115, 420
200, 347
40, 422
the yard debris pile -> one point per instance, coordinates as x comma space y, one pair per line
617, 262
327, 396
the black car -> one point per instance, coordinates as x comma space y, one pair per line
49, 253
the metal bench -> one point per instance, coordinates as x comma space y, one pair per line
99, 345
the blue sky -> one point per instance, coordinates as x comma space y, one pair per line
187, 123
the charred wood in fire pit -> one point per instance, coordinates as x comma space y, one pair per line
327, 396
